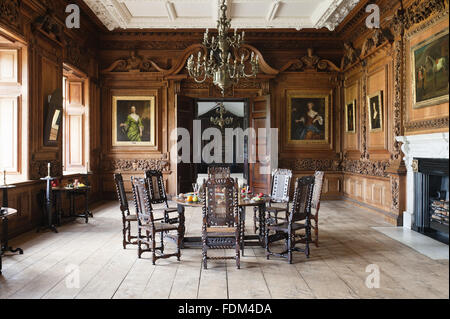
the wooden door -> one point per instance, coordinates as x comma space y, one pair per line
185, 117
260, 119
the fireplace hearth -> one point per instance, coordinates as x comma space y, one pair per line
431, 207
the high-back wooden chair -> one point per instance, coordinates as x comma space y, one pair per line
298, 220
148, 225
219, 172
221, 227
315, 204
127, 217
158, 195
279, 195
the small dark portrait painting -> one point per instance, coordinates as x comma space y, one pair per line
375, 105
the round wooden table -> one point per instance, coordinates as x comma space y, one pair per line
5, 212
250, 240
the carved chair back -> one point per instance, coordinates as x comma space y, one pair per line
317, 192
156, 187
142, 199
301, 206
281, 181
121, 194
221, 205
219, 172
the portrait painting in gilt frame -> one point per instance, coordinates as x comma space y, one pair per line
133, 121
375, 108
350, 117
430, 70
307, 118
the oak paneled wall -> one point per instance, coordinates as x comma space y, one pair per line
39, 27
378, 60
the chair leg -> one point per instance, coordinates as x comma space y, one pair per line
124, 232
316, 233
289, 248
205, 256
178, 246
266, 241
308, 236
238, 253
139, 242
129, 232
161, 234
153, 248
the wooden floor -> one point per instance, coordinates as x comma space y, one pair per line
337, 269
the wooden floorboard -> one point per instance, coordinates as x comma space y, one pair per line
88, 262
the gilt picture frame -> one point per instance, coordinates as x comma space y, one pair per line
430, 70
308, 118
375, 111
133, 121
350, 117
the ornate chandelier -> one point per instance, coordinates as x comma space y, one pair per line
222, 66
220, 120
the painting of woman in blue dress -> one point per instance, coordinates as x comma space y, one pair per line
308, 119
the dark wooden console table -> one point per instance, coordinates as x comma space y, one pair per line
4, 214
72, 193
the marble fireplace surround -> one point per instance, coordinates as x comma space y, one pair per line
420, 146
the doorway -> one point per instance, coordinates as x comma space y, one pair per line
207, 120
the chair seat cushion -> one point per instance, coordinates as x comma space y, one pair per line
284, 226
131, 218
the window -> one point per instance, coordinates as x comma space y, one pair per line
76, 122
13, 115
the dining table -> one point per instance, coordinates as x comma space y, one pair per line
243, 203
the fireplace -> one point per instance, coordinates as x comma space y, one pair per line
431, 188
433, 146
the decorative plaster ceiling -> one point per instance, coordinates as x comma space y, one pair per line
248, 14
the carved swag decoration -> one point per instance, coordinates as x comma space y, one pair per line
310, 62
134, 63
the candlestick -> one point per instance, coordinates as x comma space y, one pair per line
87, 167
4, 177
49, 169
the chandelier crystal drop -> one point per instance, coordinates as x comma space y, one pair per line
221, 63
